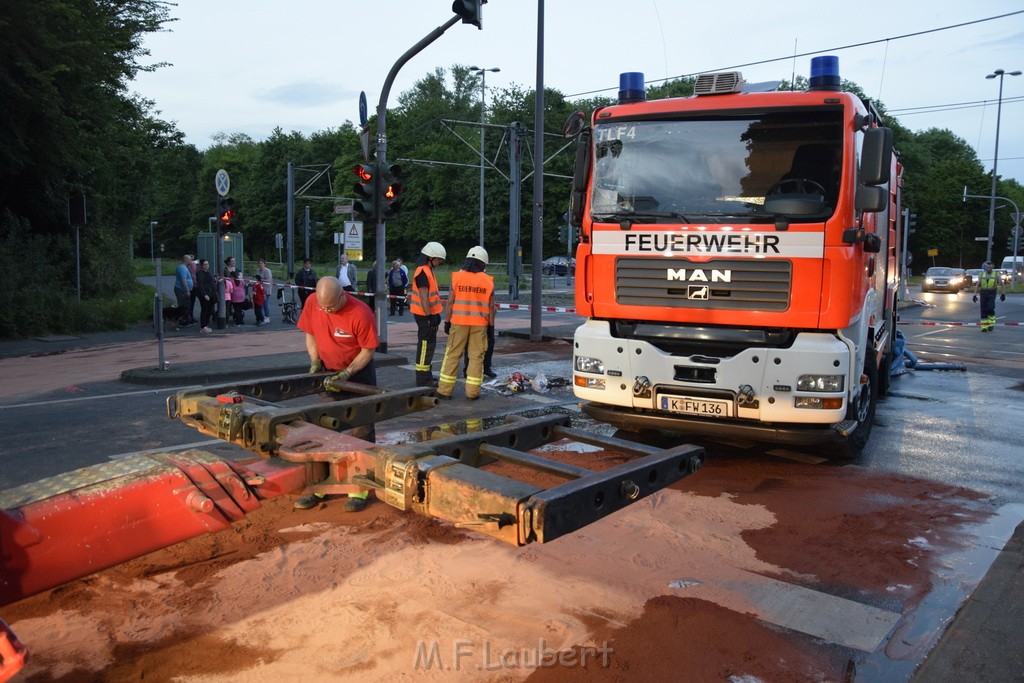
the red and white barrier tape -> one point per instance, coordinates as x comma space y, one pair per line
558, 309
938, 323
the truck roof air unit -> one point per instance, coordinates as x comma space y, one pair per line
631, 87
719, 83
825, 73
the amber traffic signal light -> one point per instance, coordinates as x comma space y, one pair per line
390, 190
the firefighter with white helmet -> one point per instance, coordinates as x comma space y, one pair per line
468, 313
425, 305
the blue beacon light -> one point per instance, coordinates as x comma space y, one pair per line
825, 73
631, 87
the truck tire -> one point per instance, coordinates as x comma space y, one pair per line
861, 409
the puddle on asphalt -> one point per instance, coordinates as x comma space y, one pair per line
956, 577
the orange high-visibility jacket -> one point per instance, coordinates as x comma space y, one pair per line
433, 302
472, 303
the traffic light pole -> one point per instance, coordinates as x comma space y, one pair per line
993, 197
380, 296
222, 310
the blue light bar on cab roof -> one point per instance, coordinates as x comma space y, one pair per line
631, 87
825, 73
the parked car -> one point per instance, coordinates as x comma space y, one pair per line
939, 279
971, 276
558, 265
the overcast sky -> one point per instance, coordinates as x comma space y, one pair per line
251, 65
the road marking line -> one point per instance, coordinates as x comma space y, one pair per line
833, 619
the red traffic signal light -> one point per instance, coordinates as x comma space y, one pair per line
366, 190
226, 214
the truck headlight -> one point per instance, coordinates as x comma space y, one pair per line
592, 365
829, 383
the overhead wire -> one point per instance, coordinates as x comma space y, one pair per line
814, 52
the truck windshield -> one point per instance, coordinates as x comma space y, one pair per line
715, 169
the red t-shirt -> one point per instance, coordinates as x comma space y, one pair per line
341, 335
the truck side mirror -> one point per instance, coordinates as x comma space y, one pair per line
876, 156
580, 173
871, 199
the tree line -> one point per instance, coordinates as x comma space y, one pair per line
70, 125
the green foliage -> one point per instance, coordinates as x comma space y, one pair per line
45, 303
68, 125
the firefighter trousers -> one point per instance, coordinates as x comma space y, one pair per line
461, 338
426, 341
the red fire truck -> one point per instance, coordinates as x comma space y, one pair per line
738, 260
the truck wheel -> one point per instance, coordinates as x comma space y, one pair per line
862, 409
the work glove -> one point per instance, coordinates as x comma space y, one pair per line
447, 326
316, 366
975, 298
1002, 297
332, 382
435, 320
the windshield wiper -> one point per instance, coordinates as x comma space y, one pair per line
626, 215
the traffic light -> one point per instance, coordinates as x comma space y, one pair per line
469, 11
912, 222
390, 190
366, 190
226, 214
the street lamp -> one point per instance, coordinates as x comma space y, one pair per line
995, 161
151, 224
483, 109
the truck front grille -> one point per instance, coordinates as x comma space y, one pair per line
720, 284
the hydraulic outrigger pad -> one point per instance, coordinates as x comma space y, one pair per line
78, 523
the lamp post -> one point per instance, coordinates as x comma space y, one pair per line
483, 110
995, 161
151, 224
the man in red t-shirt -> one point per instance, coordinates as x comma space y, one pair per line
341, 336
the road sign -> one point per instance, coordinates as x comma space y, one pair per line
1017, 231
934, 252
222, 182
362, 109
978, 239
354, 240
342, 208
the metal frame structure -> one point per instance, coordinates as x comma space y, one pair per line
72, 525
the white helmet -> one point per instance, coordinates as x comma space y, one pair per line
478, 253
434, 250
